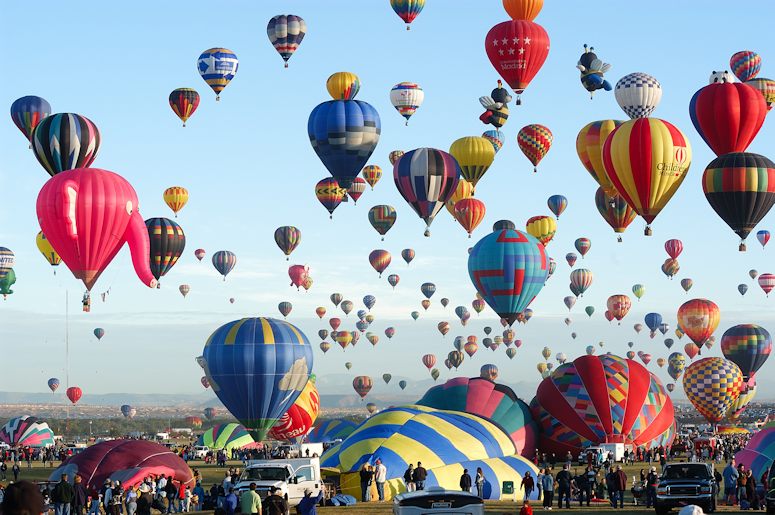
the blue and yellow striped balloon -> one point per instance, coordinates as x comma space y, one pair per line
257, 367
217, 66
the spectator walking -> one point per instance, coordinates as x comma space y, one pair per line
528, 485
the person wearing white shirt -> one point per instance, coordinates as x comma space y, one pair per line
380, 477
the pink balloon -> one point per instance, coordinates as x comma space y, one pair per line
87, 215
298, 274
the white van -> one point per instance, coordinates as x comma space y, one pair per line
437, 501
290, 476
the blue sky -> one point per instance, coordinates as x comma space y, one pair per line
249, 168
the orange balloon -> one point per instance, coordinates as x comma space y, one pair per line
470, 213
619, 306
699, 318
523, 9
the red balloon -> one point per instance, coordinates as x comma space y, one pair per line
517, 49
87, 215
300, 417
74, 393
674, 247
728, 115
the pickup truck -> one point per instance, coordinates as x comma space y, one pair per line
290, 476
199, 452
682, 484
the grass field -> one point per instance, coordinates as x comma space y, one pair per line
212, 474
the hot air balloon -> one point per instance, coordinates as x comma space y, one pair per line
429, 360
65, 141
745, 65
687, 284
619, 306
210, 413
356, 189
670, 267
329, 194
382, 217
217, 67
638, 290
287, 238
390, 332
362, 385
372, 174
344, 133
727, 115
569, 302
407, 255
300, 417
637, 156
712, 385
469, 212
737, 187
698, 318
402, 384
475, 155
298, 274
534, 141
128, 411
748, 346
592, 70
571, 258
379, 260
763, 236
407, 97
184, 102
589, 147
496, 138
557, 204
583, 245
517, 49
394, 156
508, 268
615, 211
74, 394
581, 280
676, 363
766, 87
285, 308
99, 332
167, 244
393, 280
286, 32
325, 346
638, 94
407, 10
53, 384
258, 355
27, 112
45, 248
415, 315
691, 350
347, 306
470, 348
653, 321
541, 228
87, 215
200, 254
224, 262
630, 405
426, 178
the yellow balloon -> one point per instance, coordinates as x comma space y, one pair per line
589, 147
474, 154
176, 197
541, 367
343, 85
464, 190
542, 228
646, 160
45, 248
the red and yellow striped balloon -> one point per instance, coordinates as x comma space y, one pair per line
589, 147
535, 141
699, 318
176, 197
646, 160
470, 213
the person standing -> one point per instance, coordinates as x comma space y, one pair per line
652, 480
172, 495
366, 476
580, 481
540, 483
730, 476
62, 495
526, 509
419, 476
547, 484
250, 501
130, 500
308, 504
380, 477
409, 478
16, 469
479, 481
563, 487
144, 500
621, 484
611, 482
591, 474
528, 485
81, 496
3, 470
198, 496
465, 481
274, 504
231, 502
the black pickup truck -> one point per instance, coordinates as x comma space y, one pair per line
682, 484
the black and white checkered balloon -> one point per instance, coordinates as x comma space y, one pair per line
638, 94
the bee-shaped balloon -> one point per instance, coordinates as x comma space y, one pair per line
592, 70
497, 107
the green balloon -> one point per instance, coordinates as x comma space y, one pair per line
6, 282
